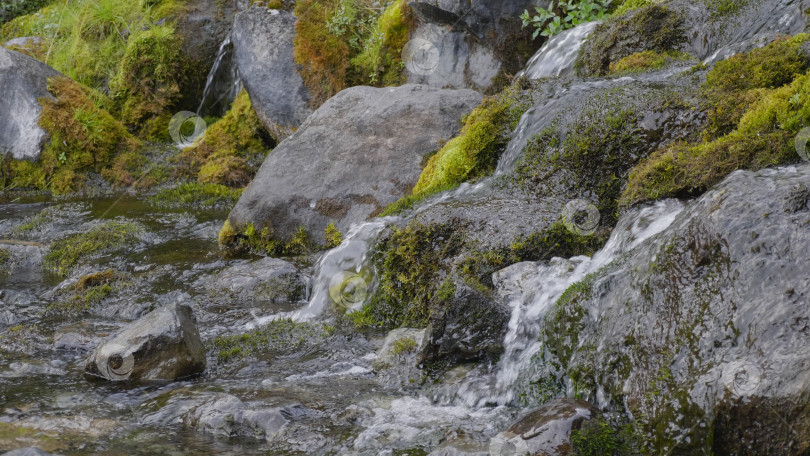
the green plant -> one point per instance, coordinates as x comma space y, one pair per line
567, 14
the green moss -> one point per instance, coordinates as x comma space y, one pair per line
649, 28
225, 153
83, 138
380, 61
598, 437
342, 43
644, 61
404, 345
88, 291
723, 9
5, 258
148, 77
198, 196
34, 223
752, 125
412, 262
278, 335
557, 241
112, 46
263, 242
629, 5
475, 152
730, 96
332, 235
597, 152
65, 253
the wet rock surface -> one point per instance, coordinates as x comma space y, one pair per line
162, 345
545, 431
23, 81
263, 50
315, 177
702, 323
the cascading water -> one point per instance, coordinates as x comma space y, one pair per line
534, 288
223, 83
556, 57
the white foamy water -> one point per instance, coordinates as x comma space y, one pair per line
536, 287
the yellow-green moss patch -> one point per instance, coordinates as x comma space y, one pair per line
198, 196
641, 62
752, 124
65, 253
343, 43
232, 147
88, 291
278, 335
474, 152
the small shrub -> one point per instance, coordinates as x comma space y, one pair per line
567, 14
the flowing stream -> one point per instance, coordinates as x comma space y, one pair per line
222, 84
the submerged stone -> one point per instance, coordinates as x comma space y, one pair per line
162, 345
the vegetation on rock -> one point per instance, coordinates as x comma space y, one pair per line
198, 196
650, 28
230, 151
474, 153
88, 291
277, 335
343, 43
67, 252
752, 124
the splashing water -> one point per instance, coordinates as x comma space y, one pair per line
556, 57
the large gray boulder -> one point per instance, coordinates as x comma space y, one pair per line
23, 81
162, 345
263, 50
360, 151
704, 328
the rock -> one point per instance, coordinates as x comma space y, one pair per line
263, 49
162, 345
704, 326
228, 416
28, 45
545, 431
23, 81
398, 344
203, 26
269, 279
707, 31
360, 151
467, 44
31, 451
469, 326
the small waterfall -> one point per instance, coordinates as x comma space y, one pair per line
223, 83
556, 57
538, 290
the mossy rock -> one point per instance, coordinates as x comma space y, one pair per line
752, 124
651, 28
67, 252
